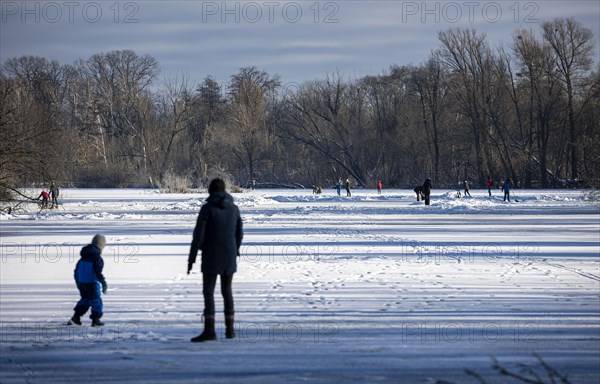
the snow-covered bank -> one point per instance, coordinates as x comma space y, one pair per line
373, 288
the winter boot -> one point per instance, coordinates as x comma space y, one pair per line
97, 323
76, 319
229, 328
209, 330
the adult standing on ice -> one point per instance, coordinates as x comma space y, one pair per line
54, 191
490, 183
506, 189
379, 187
427, 191
348, 194
218, 234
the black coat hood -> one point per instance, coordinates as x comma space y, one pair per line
220, 199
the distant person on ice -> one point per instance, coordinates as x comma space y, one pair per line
427, 191
466, 186
218, 234
89, 278
506, 189
44, 196
419, 191
379, 187
348, 188
54, 191
490, 183
338, 187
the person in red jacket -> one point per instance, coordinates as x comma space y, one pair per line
44, 196
490, 182
379, 187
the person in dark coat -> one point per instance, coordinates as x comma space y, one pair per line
218, 234
506, 189
54, 191
427, 191
89, 278
348, 194
419, 191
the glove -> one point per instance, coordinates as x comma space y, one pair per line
190, 265
104, 287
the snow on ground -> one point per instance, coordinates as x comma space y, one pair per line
372, 288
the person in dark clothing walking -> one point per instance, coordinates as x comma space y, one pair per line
54, 191
427, 191
419, 191
506, 189
89, 278
218, 234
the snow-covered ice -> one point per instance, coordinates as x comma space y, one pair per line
372, 288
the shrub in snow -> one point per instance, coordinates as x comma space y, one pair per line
172, 183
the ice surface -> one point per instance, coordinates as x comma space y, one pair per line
372, 288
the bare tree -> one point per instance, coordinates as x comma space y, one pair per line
319, 118
176, 114
31, 100
248, 136
467, 56
572, 47
430, 86
120, 81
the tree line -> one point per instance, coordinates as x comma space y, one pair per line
529, 110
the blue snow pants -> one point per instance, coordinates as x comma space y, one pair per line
90, 297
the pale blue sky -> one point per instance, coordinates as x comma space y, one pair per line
299, 40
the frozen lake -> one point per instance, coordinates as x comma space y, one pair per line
367, 289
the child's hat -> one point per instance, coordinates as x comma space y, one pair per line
99, 241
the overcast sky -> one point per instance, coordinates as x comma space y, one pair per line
299, 40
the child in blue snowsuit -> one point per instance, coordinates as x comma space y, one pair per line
89, 278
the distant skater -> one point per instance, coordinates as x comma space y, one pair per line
506, 189
348, 194
44, 196
54, 191
379, 187
466, 186
427, 191
419, 191
338, 187
490, 183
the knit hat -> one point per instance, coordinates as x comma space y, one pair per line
99, 241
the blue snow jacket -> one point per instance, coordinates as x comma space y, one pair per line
89, 267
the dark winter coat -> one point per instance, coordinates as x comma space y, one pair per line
418, 189
427, 187
89, 268
54, 191
218, 234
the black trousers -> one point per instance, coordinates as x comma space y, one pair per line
208, 290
